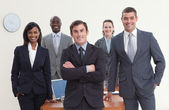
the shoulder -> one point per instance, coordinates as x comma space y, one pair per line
70, 48
117, 37
65, 36
42, 49
144, 33
47, 36
100, 40
94, 48
20, 49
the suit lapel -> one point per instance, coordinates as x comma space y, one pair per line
50, 41
139, 40
62, 42
120, 45
26, 55
88, 53
37, 57
104, 45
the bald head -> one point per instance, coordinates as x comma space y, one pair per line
55, 24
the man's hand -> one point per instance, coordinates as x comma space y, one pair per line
91, 68
108, 97
68, 64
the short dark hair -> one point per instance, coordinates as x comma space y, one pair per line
110, 21
28, 27
128, 10
76, 23
56, 18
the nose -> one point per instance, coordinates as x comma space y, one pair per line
79, 33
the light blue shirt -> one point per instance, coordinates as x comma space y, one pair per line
108, 43
84, 46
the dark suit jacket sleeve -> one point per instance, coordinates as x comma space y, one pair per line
70, 73
100, 69
80, 73
15, 71
113, 69
158, 60
47, 73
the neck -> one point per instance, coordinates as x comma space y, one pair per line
33, 45
108, 37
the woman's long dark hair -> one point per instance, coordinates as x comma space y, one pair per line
28, 27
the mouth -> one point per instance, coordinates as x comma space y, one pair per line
33, 38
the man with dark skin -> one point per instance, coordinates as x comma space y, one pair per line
55, 42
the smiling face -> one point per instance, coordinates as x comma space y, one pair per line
79, 34
129, 21
55, 24
33, 35
108, 29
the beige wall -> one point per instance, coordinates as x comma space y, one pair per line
153, 16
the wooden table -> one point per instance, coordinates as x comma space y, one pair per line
115, 104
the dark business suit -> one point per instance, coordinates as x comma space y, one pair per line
34, 82
83, 86
101, 43
137, 79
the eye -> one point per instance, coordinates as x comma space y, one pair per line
29, 32
35, 32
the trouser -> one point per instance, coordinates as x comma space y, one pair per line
31, 101
146, 102
84, 106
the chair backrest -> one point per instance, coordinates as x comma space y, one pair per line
58, 88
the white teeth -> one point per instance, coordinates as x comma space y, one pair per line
33, 38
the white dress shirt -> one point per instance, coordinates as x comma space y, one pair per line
134, 39
32, 53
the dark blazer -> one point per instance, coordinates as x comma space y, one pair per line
26, 78
139, 75
80, 83
101, 43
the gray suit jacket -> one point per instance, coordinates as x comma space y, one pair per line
47, 42
101, 43
137, 76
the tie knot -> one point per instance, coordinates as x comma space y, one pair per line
81, 49
130, 35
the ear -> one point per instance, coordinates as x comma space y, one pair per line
121, 18
71, 34
87, 32
136, 18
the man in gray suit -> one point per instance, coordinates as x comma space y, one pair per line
133, 50
55, 42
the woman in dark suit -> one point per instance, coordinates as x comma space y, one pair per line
31, 76
105, 44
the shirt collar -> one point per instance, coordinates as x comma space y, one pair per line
134, 32
106, 38
83, 46
56, 34
30, 46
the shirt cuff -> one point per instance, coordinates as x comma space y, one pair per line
87, 69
